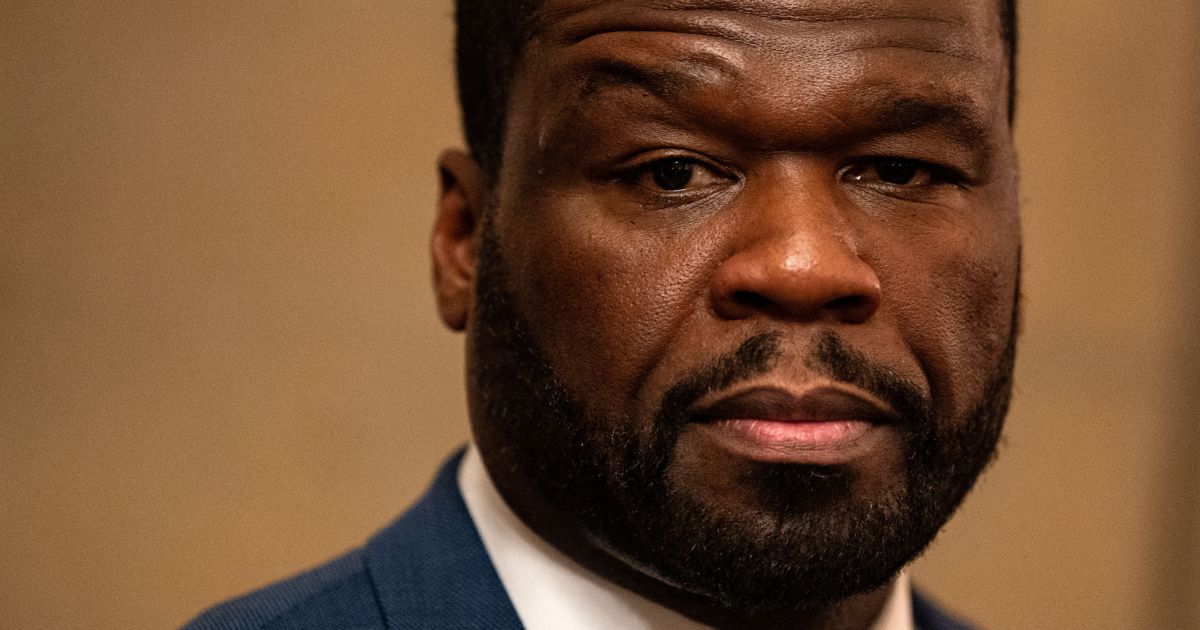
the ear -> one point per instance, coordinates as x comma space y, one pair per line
453, 244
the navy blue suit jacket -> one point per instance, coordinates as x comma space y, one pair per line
426, 570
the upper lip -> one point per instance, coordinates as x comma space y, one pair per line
834, 401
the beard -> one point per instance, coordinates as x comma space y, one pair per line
801, 540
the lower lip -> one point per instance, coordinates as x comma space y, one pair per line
824, 442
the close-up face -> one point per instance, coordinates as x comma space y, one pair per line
745, 303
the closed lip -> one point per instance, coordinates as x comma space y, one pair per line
822, 403
827, 424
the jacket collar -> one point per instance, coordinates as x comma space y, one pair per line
430, 570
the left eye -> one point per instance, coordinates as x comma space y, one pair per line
896, 172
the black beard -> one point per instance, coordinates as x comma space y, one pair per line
810, 542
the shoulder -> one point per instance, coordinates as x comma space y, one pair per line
335, 595
428, 569
929, 616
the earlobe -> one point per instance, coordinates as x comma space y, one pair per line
453, 244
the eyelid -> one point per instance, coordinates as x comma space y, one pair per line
644, 159
639, 166
940, 174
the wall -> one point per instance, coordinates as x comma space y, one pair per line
221, 362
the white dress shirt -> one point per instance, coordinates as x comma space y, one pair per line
550, 591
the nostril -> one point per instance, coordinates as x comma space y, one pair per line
852, 307
767, 281
751, 300
847, 303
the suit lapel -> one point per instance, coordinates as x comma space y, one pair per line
430, 570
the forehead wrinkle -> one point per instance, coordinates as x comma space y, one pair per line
794, 11
571, 21
954, 38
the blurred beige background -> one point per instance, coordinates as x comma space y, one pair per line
220, 362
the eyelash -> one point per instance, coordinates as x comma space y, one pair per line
636, 174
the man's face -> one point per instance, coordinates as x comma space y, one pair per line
746, 288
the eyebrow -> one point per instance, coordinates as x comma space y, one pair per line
665, 83
956, 115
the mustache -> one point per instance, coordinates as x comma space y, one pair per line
831, 357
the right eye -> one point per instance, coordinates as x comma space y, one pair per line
675, 174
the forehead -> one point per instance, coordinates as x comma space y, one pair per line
957, 11
772, 47
739, 19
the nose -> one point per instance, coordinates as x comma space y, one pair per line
794, 258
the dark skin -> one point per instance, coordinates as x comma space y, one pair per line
679, 176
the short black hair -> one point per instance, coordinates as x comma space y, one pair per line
491, 35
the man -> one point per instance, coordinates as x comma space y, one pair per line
739, 280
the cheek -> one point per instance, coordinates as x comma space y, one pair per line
607, 298
960, 317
